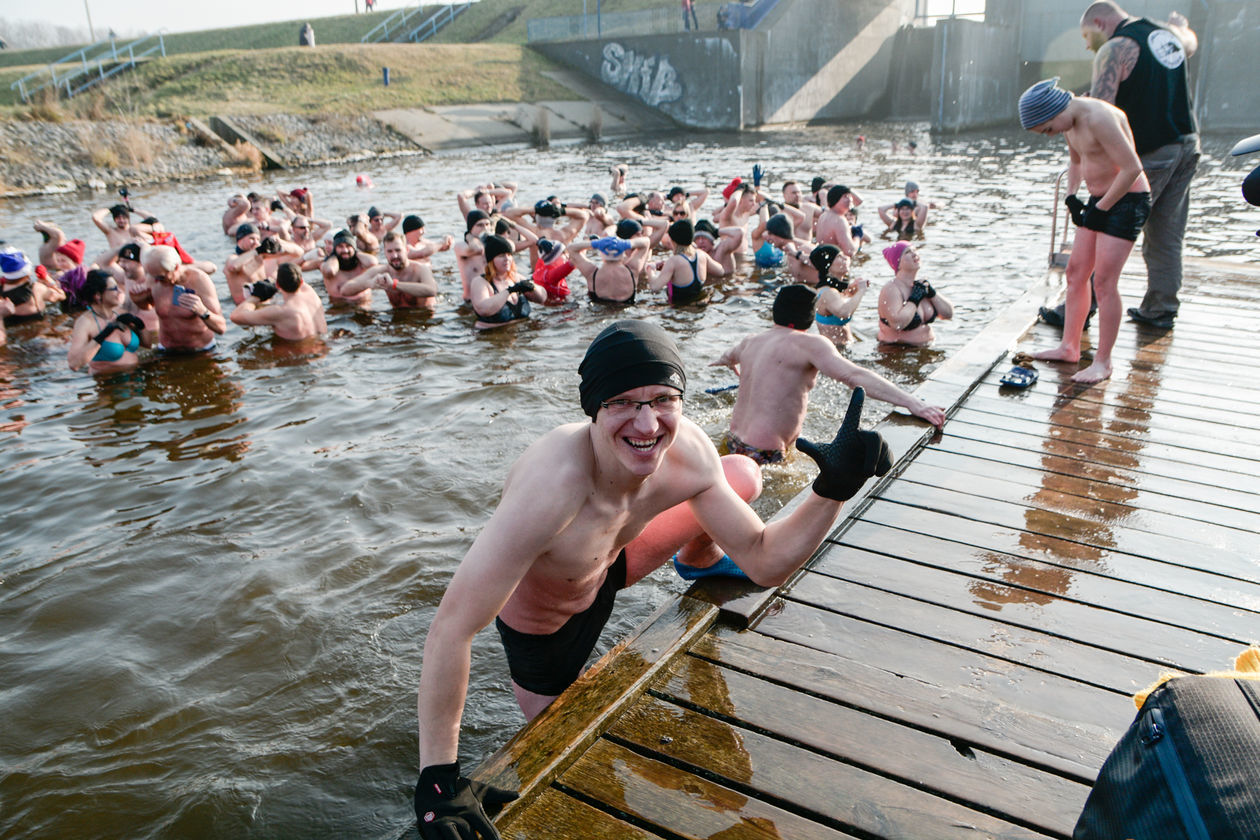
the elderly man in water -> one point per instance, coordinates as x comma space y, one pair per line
186, 303
1102, 154
622, 493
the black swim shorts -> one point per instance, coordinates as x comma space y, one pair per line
549, 663
1126, 219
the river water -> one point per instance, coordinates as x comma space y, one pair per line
216, 574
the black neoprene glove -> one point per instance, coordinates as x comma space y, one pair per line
263, 290
451, 807
131, 322
522, 286
105, 332
918, 291
931, 290
1077, 208
1096, 219
270, 245
851, 458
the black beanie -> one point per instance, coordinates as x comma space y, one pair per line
836, 193
473, 217
627, 355
497, 245
794, 306
682, 232
628, 228
412, 223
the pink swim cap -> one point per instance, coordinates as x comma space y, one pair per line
893, 254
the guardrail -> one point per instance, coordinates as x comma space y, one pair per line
436, 21
657, 21
77, 71
1059, 256
386, 29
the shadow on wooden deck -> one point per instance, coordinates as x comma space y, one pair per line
957, 659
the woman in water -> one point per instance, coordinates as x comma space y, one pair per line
104, 337
28, 296
682, 275
838, 294
901, 221
500, 296
908, 305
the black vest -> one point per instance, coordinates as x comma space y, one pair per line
1156, 96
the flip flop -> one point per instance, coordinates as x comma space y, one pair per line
725, 568
1022, 374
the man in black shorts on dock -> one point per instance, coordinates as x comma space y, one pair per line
590, 508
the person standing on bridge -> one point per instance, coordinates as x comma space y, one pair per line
1140, 67
689, 16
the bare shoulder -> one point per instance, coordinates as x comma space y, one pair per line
560, 458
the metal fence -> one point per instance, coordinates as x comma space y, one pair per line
658, 21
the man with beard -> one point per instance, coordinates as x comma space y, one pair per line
344, 264
256, 258
408, 283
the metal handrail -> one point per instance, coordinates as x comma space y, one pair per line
387, 24
1054, 218
433, 23
123, 62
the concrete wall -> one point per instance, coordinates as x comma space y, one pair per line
974, 75
821, 60
694, 79
911, 92
1228, 80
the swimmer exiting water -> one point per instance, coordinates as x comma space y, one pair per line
1102, 154
778, 368
591, 508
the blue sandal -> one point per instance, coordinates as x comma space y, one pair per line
723, 568
1022, 374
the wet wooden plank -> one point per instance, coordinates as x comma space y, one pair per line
1030, 469
682, 804
1129, 635
960, 697
1007, 581
1142, 395
1069, 554
540, 751
1208, 485
1045, 497
1243, 468
1021, 645
1164, 548
1092, 416
558, 816
928, 761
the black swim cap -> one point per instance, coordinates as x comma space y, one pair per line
682, 232
1251, 187
475, 216
627, 355
794, 306
628, 229
675, 191
411, 223
496, 246
822, 257
779, 225
836, 193
130, 251
244, 230
373, 212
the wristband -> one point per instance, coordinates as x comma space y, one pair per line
395, 279
205, 316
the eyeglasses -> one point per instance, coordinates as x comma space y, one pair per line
664, 404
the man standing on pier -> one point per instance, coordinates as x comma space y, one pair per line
1140, 67
588, 509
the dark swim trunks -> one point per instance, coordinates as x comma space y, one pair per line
735, 446
1126, 218
548, 663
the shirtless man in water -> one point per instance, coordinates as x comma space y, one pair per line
186, 303
833, 227
623, 492
344, 264
298, 315
256, 258
1102, 154
408, 283
777, 370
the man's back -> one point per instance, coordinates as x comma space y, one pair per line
776, 373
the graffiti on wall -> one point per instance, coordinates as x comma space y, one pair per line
649, 77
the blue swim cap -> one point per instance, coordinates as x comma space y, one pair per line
611, 246
768, 256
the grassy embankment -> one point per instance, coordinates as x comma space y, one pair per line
480, 57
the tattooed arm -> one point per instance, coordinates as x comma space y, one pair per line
1113, 63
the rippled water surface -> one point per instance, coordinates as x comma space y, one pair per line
216, 574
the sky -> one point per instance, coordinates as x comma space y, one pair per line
183, 15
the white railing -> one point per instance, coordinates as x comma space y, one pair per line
79, 71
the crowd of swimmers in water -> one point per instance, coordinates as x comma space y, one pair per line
144, 290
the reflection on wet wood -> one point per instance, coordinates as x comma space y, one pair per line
1002, 581
685, 804
556, 814
958, 659
954, 770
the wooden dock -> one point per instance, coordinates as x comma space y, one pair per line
958, 659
